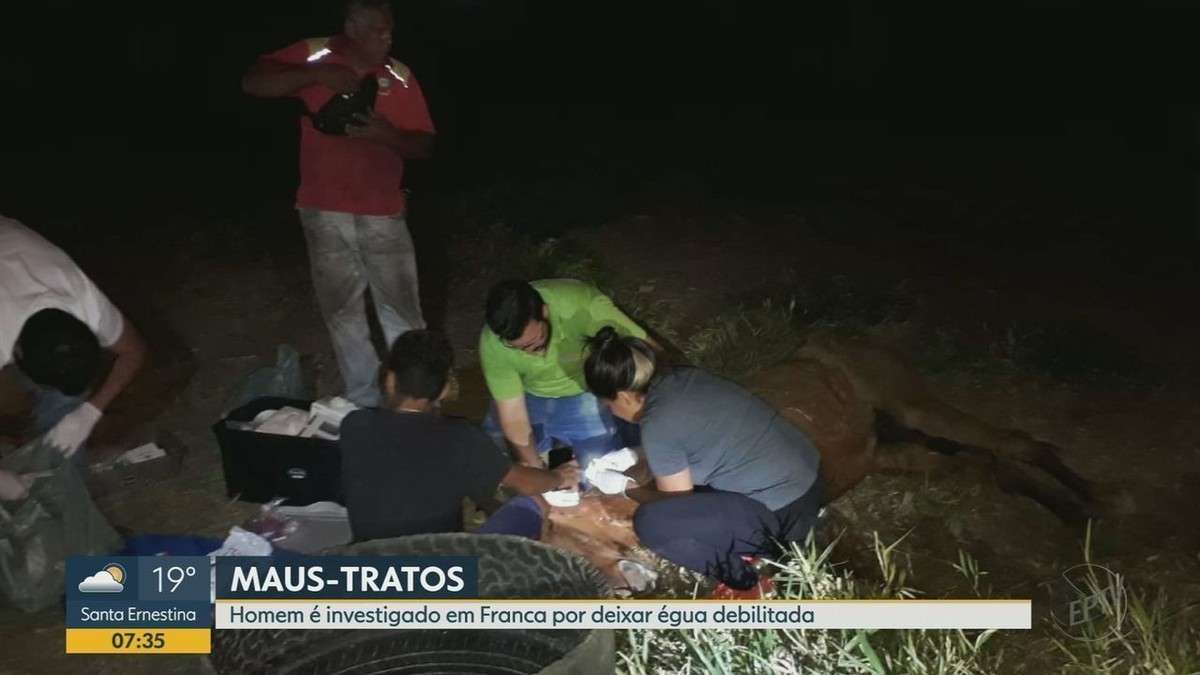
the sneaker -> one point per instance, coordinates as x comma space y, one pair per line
764, 589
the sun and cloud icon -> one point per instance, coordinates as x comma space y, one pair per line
108, 580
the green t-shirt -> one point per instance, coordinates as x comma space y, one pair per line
576, 311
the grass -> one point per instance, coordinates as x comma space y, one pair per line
737, 343
659, 316
1159, 636
498, 251
809, 573
1067, 351
766, 328
767, 325
1154, 637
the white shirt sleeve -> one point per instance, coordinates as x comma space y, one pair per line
37, 275
99, 313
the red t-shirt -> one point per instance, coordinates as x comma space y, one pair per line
345, 174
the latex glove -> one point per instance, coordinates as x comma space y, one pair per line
72, 430
13, 487
606, 480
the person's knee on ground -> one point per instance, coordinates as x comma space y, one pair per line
520, 516
661, 532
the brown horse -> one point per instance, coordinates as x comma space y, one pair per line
866, 411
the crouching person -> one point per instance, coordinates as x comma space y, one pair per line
731, 477
55, 327
406, 468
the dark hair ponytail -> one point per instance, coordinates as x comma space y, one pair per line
616, 363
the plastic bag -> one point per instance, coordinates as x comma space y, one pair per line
270, 524
56, 520
283, 380
302, 529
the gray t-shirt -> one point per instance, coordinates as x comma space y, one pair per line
730, 439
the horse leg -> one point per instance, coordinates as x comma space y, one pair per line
942, 424
947, 458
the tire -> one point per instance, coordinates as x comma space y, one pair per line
509, 567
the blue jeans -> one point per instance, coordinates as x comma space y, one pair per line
349, 253
578, 421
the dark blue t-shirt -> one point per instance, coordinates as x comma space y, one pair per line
407, 473
729, 438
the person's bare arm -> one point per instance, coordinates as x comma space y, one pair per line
530, 481
665, 486
407, 144
272, 79
129, 352
514, 421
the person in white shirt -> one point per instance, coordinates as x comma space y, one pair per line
55, 325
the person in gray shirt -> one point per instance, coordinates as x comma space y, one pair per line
732, 478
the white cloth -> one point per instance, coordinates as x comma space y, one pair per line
606, 480
37, 275
73, 429
604, 472
617, 460
287, 421
562, 498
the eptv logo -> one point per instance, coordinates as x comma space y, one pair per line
1090, 602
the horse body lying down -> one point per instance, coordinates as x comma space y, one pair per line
865, 411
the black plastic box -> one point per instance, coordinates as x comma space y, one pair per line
260, 467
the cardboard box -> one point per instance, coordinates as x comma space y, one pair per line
113, 474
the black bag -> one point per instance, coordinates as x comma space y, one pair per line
338, 113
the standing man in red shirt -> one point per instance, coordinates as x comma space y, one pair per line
350, 200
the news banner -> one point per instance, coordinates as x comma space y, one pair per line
171, 605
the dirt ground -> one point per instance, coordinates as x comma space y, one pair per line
225, 290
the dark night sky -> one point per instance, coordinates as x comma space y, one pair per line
718, 82
109, 72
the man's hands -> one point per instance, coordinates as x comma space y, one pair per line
335, 76
533, 481
375, 129
372, 128
73, 429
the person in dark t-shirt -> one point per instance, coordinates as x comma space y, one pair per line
406, 468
